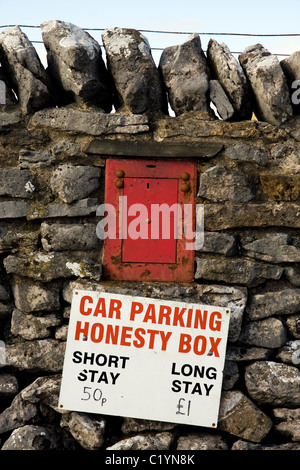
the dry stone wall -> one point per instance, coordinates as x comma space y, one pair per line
56, 131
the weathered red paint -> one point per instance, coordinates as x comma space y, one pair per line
148, 182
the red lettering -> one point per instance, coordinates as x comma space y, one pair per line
164, 313
97, 332
185, 343
115, 307
141, 341
150, 314
178, 316
79, 330
82, 310
136, 307
203, 341
126, 334
100, 308
215, 325
214, 346
200, 319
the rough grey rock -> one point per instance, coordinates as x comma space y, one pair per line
246, 152
239, 416
16, 183
8, 385
133, 425
269, 333
288, 423
277, 248
236, 271
69, 237
186, 76
35, 158
290, 353
287, 157
75, 64
281, 302
274, 384
83, 207
219, 98
13, 209
293, 324
22, 64
218, 183
228, 71
46, 267
232, 215
221, 243
88, 431
71, 183
137, 82
268, 83
32, 437
245, 354
230, 375
90, 122
43, 390
31, 327
201, 441
159, 441
291, 68
44, 355
31, 296
17, 414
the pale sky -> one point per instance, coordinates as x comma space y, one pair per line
231, 16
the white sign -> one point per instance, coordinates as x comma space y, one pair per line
144, 358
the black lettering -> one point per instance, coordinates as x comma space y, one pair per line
77, 357
176, 386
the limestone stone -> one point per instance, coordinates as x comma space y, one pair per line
268, 83
35, 158
291, 68
218, 183
293, 324
269, 333
236, 271
292, 274
228, 71
286, 157
43, 390
8, 385
241, 417
137, 82
83, 207
47, 267
75, 64
267, 304
32, 437
16, 183
37, 356
90, 122
21, 61
19, 413
147, 441
219, 98
221, 243
274, 384
13, 209
72, 183
232, 215
245, 152
62, 237
277, 248
290, 353
186, 76
246, 354
88, 431
32, 327
201, 441
133, 425
31, 296
279, 187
